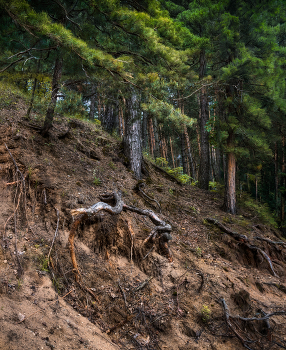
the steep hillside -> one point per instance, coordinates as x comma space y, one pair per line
130, 294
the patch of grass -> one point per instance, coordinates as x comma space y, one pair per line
96, 181
198, 252
205, 313
257, 209
10, 95
112, 165
44, 263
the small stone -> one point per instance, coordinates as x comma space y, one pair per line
5, 261
21, 317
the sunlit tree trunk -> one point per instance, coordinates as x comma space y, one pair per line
132, 136
92, 105
229, 195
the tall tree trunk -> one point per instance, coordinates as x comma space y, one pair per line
229, 194
283, 180
151, 136
156, 137
144, 131
132, 137
109, 118
48, 123
190, 155
204, 168
172, 152
183, 153
276, 179
92, 105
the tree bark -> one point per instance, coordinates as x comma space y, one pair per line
132, 136
190, 155
229, 195
204, 168
156, 137
109, 118
92, 105
183, 153
48, 123
144, 132
283, 181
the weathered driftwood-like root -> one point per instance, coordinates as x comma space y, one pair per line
230, 320
245, 240
82, 214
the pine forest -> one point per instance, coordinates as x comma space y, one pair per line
194, 90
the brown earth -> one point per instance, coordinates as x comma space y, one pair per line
179, 308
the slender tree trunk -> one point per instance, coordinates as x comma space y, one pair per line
132, 137
190, 155
92, 105
204, 168
32, 99
229, 195
276, 179
172, 153
283, 182
151, 136
156, 137
48, 123
144, 132
183, 153
109, 119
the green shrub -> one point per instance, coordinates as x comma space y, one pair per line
257, 208
205, 313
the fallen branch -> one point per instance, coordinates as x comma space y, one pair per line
264, 318
55, 236
269, 241
230, 325
245, 240
144, 284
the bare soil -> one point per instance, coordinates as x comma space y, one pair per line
179, 307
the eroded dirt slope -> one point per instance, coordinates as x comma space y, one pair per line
130, 295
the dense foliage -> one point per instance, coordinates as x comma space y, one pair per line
202, 82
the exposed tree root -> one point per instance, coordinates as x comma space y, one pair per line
245, 240
81, 214
245, 338
140, 187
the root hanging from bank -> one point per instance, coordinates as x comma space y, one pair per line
246, 241
254, 332
162, 229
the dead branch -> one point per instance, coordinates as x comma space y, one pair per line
245, 240
143, 284
269, 241
123, 294
230, 325
264, 318
235, 235
55, 236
